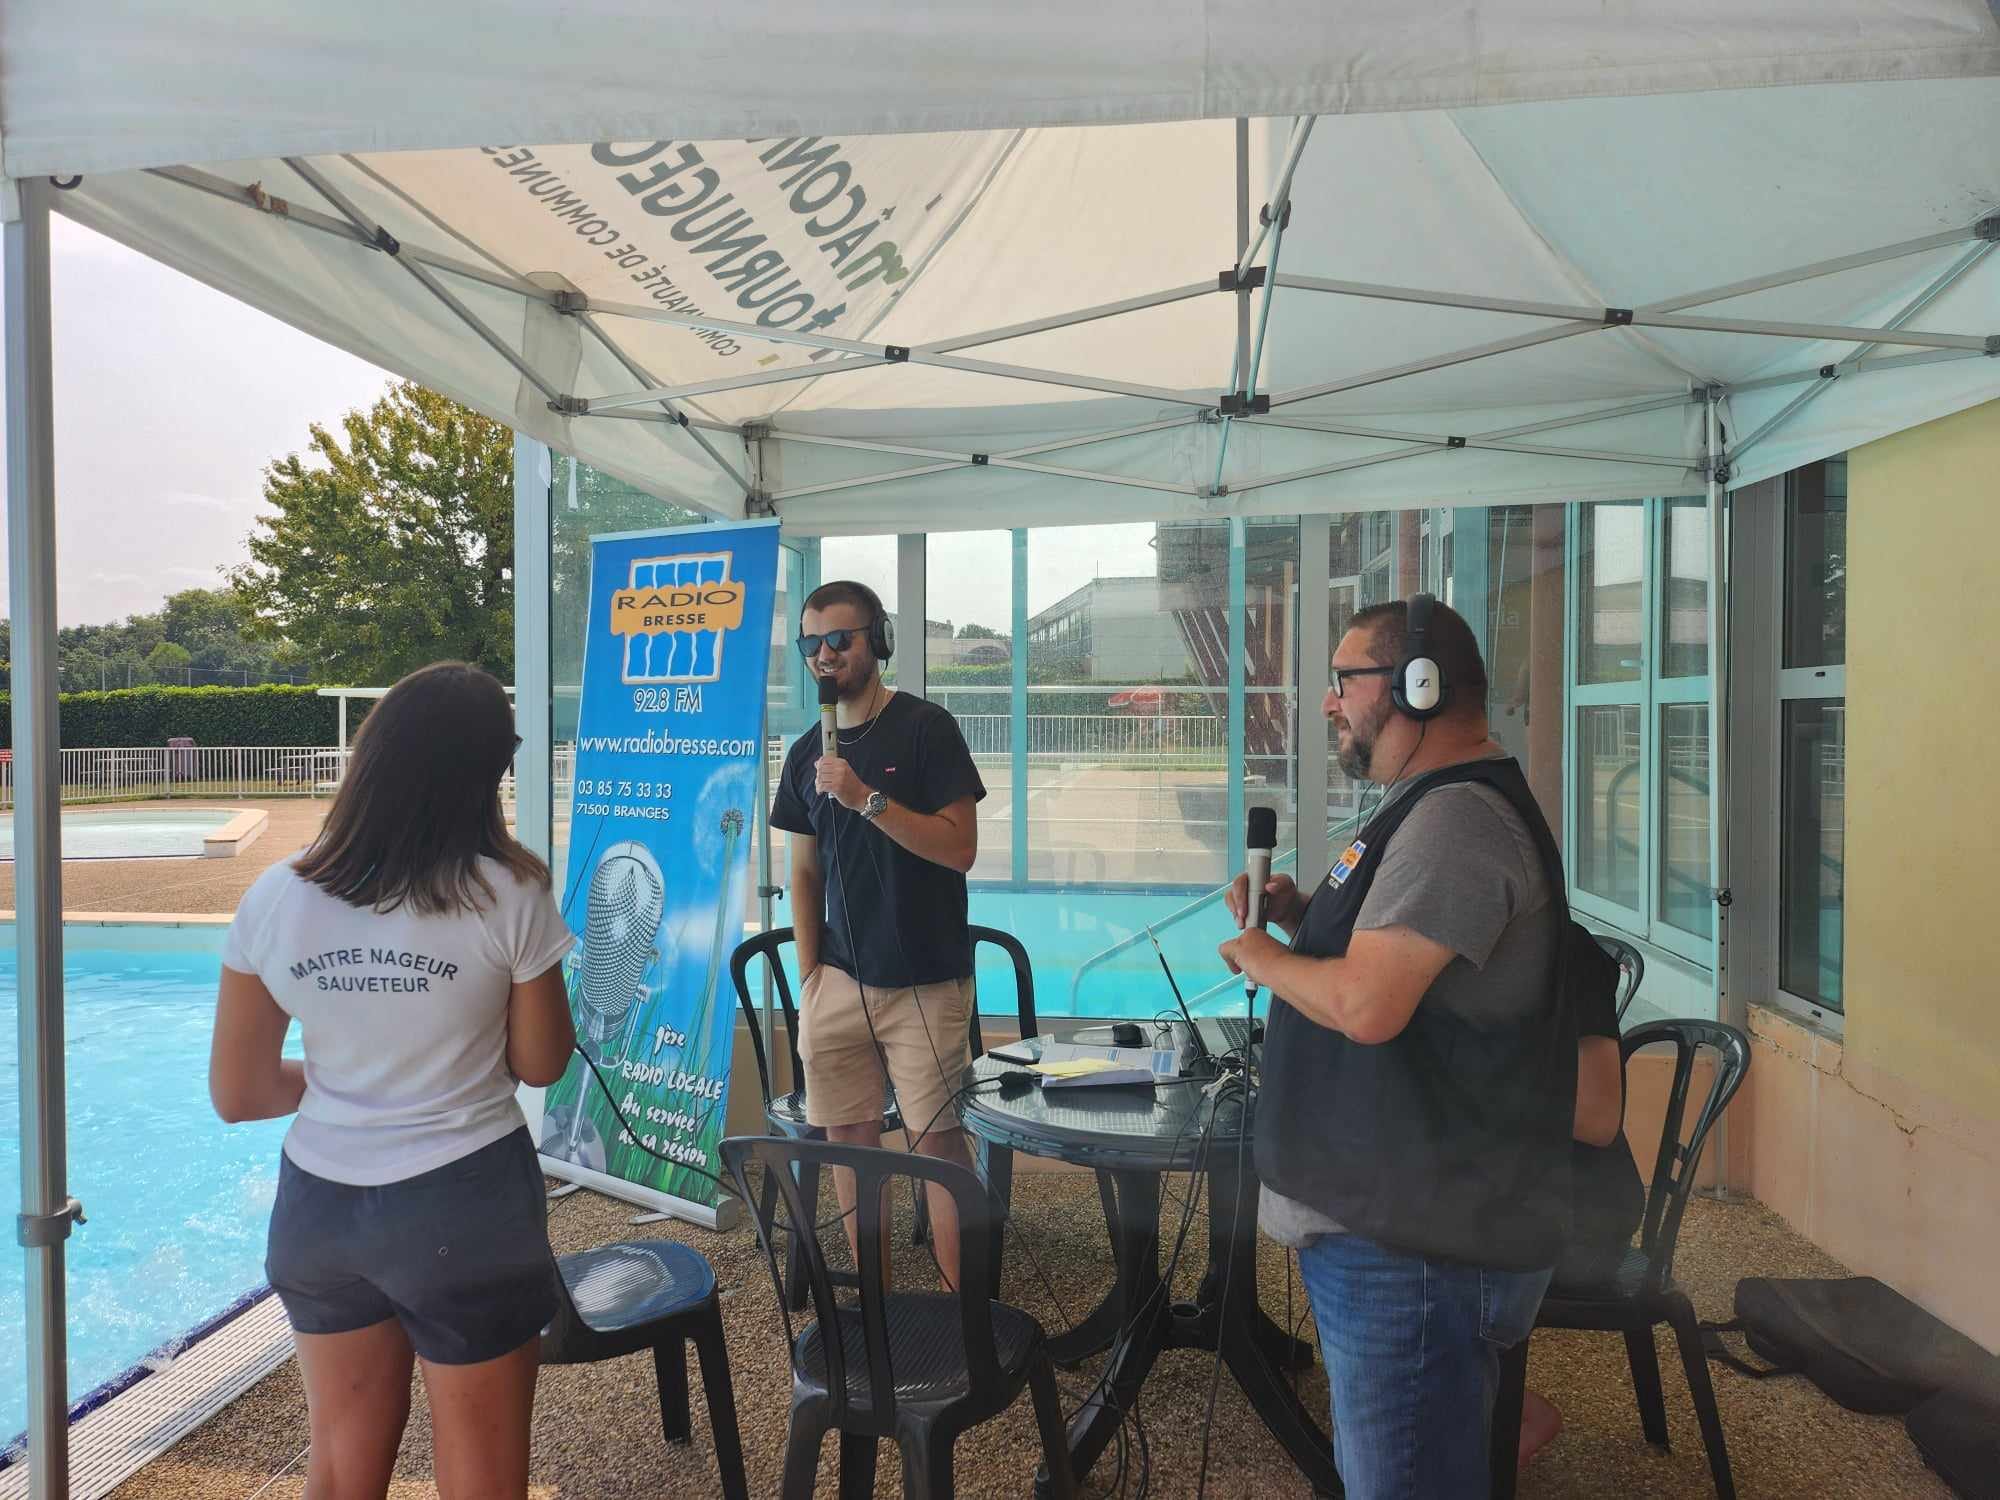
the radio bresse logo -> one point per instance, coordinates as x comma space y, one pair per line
675, 615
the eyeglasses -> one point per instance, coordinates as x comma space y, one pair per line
1341, 674
840, 640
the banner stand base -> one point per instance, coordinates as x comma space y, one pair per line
723, 1215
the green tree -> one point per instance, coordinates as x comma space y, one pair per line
972, 632
392, 544
168, 662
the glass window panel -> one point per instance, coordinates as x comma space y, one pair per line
969, 661
1127, 709
1609, 794
1270, 670
870, 560
1816, 565
1685, 891
1361, 566
1523, 616
1812, 856
1684, 590
1611, 557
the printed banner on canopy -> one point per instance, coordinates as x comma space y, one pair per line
675, 660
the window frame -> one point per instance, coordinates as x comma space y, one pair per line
1651, 694
1795, 684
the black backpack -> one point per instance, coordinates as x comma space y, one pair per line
1863, 1343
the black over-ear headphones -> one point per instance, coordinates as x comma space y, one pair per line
881, 629
1419, 688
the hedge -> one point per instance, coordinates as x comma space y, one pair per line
273, 715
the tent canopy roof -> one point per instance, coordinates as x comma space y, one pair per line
992, 256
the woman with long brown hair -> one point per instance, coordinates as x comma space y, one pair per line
419, 948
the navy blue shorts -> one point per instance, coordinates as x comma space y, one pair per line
459, 1255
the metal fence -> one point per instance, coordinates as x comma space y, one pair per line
139, 772
128, 773
1125, 738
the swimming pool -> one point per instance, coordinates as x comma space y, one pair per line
177, 1200
129, 833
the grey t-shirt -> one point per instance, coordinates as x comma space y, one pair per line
1463, 871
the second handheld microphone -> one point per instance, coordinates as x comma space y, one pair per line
1261, 840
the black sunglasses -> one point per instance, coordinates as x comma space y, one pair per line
1340, 674
840, 640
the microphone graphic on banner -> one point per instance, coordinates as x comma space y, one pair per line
620, 941
1261, 840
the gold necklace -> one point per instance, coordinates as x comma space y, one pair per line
874, 718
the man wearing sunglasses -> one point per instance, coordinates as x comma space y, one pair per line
882, 834
1420, 1065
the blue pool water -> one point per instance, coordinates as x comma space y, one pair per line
177, 1200
136, 833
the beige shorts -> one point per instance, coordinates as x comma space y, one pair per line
923, 1033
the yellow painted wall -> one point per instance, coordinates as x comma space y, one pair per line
1923, 722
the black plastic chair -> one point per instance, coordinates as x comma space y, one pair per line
785, 1114
652, 1294
917, 1368
1641, 1293
1631, 968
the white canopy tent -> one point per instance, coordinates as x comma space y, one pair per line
1125, 261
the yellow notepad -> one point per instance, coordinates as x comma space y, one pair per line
1078, 1067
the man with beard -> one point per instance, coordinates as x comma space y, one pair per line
882, 833
1419, 1070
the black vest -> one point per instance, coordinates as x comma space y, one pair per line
1450, 1141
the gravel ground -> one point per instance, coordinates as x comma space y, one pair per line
597, 1430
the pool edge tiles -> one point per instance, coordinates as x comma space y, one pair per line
136, 931
144, 1419
120, 833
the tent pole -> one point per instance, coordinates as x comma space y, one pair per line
46, 1207
1816, 269
1242, 245
1868, 366
1068, 319
1917, 304
1718, 742
1441, 440
424, 275
534, 766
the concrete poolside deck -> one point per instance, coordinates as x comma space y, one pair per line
597, 1433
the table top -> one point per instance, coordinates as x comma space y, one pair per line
1117, 1126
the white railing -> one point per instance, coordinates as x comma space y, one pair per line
1126, 738
133, 772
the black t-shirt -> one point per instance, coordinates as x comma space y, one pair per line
908, 915
1608, 1198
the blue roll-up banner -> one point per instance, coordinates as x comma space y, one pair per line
676, 655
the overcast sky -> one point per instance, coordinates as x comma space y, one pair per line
171, 398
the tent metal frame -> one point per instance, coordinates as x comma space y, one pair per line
1244, 403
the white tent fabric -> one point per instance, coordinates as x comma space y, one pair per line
118, 84
923, 241
1591, 176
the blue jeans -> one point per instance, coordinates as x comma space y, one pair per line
1412, 1350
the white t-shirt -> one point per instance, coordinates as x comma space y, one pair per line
403, 1017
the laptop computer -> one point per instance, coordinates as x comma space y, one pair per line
1207, 1038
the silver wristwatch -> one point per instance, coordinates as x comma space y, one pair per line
873, 807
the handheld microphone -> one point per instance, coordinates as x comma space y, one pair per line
829, 743
1262, 839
